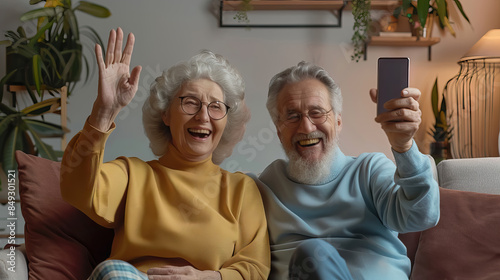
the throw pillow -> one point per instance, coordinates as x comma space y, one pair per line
61, 242
465, 244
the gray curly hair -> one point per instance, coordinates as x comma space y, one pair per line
205, 65
303, 70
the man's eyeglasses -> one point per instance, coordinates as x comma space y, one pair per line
315, 116
192, 105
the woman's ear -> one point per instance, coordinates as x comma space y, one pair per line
166, 118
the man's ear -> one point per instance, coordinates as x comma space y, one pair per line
339, 122
279, 132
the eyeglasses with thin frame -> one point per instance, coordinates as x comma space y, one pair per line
192, 105
316, 116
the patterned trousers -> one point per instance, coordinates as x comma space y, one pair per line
116, 270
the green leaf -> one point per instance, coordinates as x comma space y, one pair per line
434, 98
37, 73
93, 9
461, 9
12, 143
33, 2
4, 80
45, 129
31, 94
42, 107
70, 18
7, 110
40, 33
5, 123
68, 67
35, 14
45, 150
423, 11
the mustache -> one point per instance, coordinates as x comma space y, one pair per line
312, 135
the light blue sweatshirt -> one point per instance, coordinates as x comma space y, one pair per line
360, 211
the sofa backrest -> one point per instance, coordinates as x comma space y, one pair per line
473, 174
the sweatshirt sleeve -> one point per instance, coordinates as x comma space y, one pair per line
94, 188
407, 199
252, 256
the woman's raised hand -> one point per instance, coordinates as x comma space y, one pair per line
117, 85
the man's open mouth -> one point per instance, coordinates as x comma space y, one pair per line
309, 142
200, 133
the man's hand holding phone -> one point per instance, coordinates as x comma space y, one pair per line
398, 110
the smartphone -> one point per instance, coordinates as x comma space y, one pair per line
393, 75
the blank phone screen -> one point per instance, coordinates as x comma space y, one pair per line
393, 76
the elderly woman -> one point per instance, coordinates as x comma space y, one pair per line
181, 216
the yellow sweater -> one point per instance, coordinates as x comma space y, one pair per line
169, 211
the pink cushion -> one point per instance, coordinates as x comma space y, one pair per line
466, 242
61, 242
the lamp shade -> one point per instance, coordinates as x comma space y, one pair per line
488, 47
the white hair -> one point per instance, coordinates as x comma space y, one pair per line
303, 70
205, 65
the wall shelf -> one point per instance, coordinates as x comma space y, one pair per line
282, 5
403, 42
337, 6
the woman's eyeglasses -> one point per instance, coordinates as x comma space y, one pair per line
192, 105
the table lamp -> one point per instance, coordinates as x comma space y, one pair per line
473, 98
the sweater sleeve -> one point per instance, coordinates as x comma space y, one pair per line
252, 256
94, 188
406, 199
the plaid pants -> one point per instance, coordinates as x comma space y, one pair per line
116, 270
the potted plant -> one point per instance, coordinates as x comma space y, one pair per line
46, 61
362, 20
441, 132
53, 56
418, 11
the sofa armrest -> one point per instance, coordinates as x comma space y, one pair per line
13, 265
474, 174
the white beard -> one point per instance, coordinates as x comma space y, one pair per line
311, 172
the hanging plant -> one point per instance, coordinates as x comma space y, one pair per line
362, 20
242, 16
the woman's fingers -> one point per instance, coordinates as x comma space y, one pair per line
129, 48
98, 56
118, 46
111, 47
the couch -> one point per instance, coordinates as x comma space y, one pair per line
62, 243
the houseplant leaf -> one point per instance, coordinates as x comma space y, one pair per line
47, 106
70, 19
42, 12
45, 150
7, 110
13, 142
434, 99
4, 80
461, 9
423, 11
93, 9
37, 73
442, 8
45, 129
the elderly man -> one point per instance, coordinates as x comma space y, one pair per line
332, 216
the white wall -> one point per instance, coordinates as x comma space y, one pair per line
171, 31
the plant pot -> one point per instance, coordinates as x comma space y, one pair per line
440, 151
418, 31
24, 74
